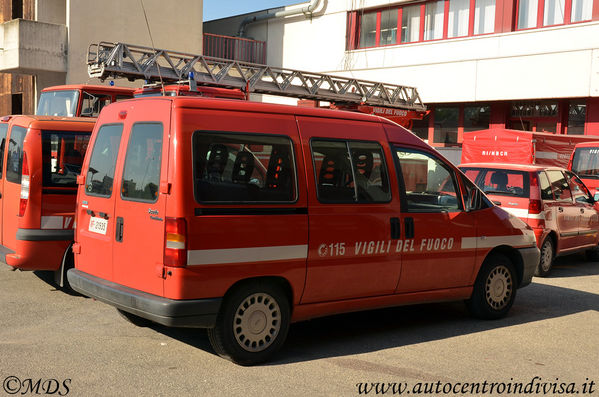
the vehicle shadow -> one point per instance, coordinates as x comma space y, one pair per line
368, 331
47, 276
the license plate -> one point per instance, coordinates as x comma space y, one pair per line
98, 225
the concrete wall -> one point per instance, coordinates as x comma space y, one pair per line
554, 62
51, 11
174, 25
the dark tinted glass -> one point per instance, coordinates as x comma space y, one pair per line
3, 130
100, 174
14, 160
244, 168
62, 157
141, 177
334, 176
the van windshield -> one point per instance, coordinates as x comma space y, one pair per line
58, 103
62, 157
586, 162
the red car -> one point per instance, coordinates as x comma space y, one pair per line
552, 200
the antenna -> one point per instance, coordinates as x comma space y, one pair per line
153, 47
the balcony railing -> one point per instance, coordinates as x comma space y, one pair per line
235, 48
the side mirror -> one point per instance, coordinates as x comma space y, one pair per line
596, 196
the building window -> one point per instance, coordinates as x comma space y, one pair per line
433, 20
420, 128
527, 14
410, 24
459, 16
476, 118
554, 12
388, 27
368, 30
17, 9
534, 109
446, 125
484, 16
582, 10
577, 115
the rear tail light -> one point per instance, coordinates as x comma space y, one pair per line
535, 207
24, 186
175, 245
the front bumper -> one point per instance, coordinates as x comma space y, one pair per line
196, 313
530, 260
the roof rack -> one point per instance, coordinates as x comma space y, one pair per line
114, 60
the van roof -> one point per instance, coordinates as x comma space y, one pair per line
259, 107
50, 122
91, 87
588, 144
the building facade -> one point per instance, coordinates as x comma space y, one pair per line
520, 64
45, 42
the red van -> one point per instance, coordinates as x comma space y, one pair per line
241, 217
585, 163
40, 158
552, 200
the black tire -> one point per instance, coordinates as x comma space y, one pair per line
252, 323
133, 319
494, 289
547, 258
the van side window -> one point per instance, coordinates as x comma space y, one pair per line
62, 157
14, 160
92, 104
243, 168
546, 193
350, 172
430, 185
100, 174
559, 185
3, 130
141, 176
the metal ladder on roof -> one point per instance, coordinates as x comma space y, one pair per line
121, 60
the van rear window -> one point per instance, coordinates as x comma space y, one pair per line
248, 168
62, 157
3, 130
100, 174
14, 159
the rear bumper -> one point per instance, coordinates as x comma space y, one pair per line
530, 261
198, 313
45, 234
35, 255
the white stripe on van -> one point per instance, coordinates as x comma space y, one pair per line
494, 241
250, 254
51, 222
523, 213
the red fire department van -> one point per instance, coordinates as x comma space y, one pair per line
241, 217
40, 158
79, 100
585, 163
